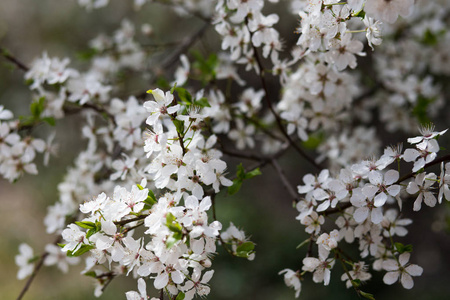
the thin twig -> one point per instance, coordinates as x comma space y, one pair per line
188, 11
435, 162
123, 222
184, 47
249, 156
5, 53
403, 178
277, 117
36, 270
285, 181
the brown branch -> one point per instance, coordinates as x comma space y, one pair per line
272, 110
434, 162
249, 156
285, 181
36, 270
187, 10
123, 222
403, 178
5, 53
188, 42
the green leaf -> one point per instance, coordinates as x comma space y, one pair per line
202, 102
429, 38
171, 240
87, 54
241, 175
206, 67
37, 107
252, 173
163, 83
91, 274
366, 295
170, 218
184, 95
90, 232
49, 120
61, 245
420, 111
408, 248
172, 225
245, 247
152, 195
173, 88
179, 125
240, 172
175, 227
314, 140
237, 183
180, 296
356, 282
399, 247
151, 199
83, 249
86, 224
303, 243
360, 14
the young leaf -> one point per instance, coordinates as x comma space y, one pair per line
184, 95
202, 102
252, 173
179, 125
86, 224
245, 247
237, 183
83, 249
366, 295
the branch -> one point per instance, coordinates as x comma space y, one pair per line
403, 178
5, 53
277, 117
123, 222
249, 156
36, 270
434, 162
285, 181
184, 46
188, 11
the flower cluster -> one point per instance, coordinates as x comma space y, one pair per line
367, 196
139, 198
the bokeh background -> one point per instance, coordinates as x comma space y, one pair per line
263, 208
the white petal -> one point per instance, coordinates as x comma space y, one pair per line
390, 277
207, 276
361, 214
369, 190
412, 188
375, 178
377, 215
414, 270
407, 281
380, 199
404, 258
390, 177
393, 190
177, 277
142, 287
161, 281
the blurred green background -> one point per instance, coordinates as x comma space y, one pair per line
263, 208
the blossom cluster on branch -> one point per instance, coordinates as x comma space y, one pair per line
139, 199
